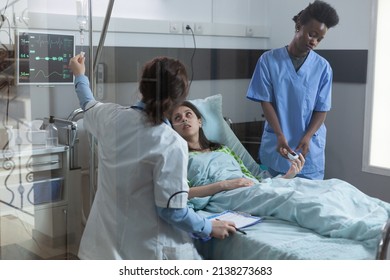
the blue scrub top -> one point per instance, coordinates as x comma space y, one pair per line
294, 95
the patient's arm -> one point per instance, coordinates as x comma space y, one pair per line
210, 189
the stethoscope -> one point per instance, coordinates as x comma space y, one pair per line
140, 108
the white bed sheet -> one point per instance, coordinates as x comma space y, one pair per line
274, 239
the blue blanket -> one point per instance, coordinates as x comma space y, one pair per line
332, 208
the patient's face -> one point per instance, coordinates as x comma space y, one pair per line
185, 122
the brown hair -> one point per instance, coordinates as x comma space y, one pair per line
203, 141
163, 85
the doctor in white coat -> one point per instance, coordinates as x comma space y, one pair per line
140, 208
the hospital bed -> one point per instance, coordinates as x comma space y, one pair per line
273, 238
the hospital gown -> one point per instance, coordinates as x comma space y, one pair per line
332, 208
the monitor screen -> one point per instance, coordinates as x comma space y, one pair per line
43, 58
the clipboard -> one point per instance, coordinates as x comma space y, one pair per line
240, 219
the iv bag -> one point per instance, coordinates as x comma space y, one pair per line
82, 12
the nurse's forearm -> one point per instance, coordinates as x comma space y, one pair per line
271, 117
83, 90
317, 119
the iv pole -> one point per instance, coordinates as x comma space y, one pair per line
93, 68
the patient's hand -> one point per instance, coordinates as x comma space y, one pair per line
236, 183
295, 168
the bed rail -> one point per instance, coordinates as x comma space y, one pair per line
383, 245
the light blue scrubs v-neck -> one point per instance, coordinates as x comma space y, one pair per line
295, 95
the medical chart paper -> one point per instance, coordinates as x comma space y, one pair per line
241, 220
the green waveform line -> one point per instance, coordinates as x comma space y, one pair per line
59, 58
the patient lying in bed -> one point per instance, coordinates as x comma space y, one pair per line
331, 208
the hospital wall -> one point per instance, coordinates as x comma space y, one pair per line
240, 25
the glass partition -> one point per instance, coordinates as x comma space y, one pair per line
46, 192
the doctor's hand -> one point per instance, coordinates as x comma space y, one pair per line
222, 229
296, 167
77, 65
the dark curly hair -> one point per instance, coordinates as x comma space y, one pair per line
164, 84
320, 11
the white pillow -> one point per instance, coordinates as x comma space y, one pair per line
217, 130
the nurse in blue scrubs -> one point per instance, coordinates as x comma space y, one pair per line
293, 85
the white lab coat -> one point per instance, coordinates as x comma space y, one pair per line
140, 167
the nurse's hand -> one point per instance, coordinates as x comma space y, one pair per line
283, 147
304, 145
77, 65
222, 229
